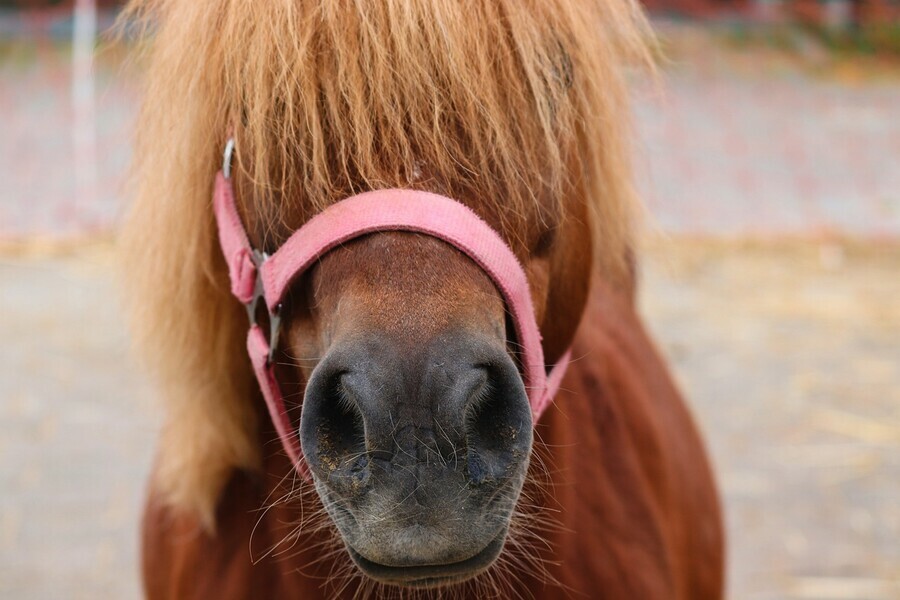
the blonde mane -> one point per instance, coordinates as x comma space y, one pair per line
327, 98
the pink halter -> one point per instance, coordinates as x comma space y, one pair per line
256, 276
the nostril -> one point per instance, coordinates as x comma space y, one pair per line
498, 428
333, 429
341, 420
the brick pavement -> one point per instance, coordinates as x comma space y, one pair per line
763, 152
770, 154
40, 195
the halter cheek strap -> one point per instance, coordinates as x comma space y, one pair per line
256, 276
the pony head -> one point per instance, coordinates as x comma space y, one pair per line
397, 357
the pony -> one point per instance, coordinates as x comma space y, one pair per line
397, 358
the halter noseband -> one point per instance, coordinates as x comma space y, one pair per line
257, 277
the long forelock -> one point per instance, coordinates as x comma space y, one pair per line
520, 103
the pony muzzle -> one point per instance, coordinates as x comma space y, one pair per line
256, 277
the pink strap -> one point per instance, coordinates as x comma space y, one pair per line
423, 212
381, 210
233, 239
258, 348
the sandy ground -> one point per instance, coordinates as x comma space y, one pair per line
790, 356
788, 353
76, 432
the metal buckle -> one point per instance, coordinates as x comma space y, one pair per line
259, 294
258, 259
227, 158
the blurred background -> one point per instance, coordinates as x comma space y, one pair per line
769, 159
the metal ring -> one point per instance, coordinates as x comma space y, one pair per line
274, 332
226, 158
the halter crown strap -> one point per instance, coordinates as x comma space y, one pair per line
239, 254
255, 276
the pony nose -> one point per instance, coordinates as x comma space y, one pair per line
372, 408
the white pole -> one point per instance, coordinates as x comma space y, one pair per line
84, 132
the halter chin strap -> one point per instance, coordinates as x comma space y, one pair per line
256, 276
